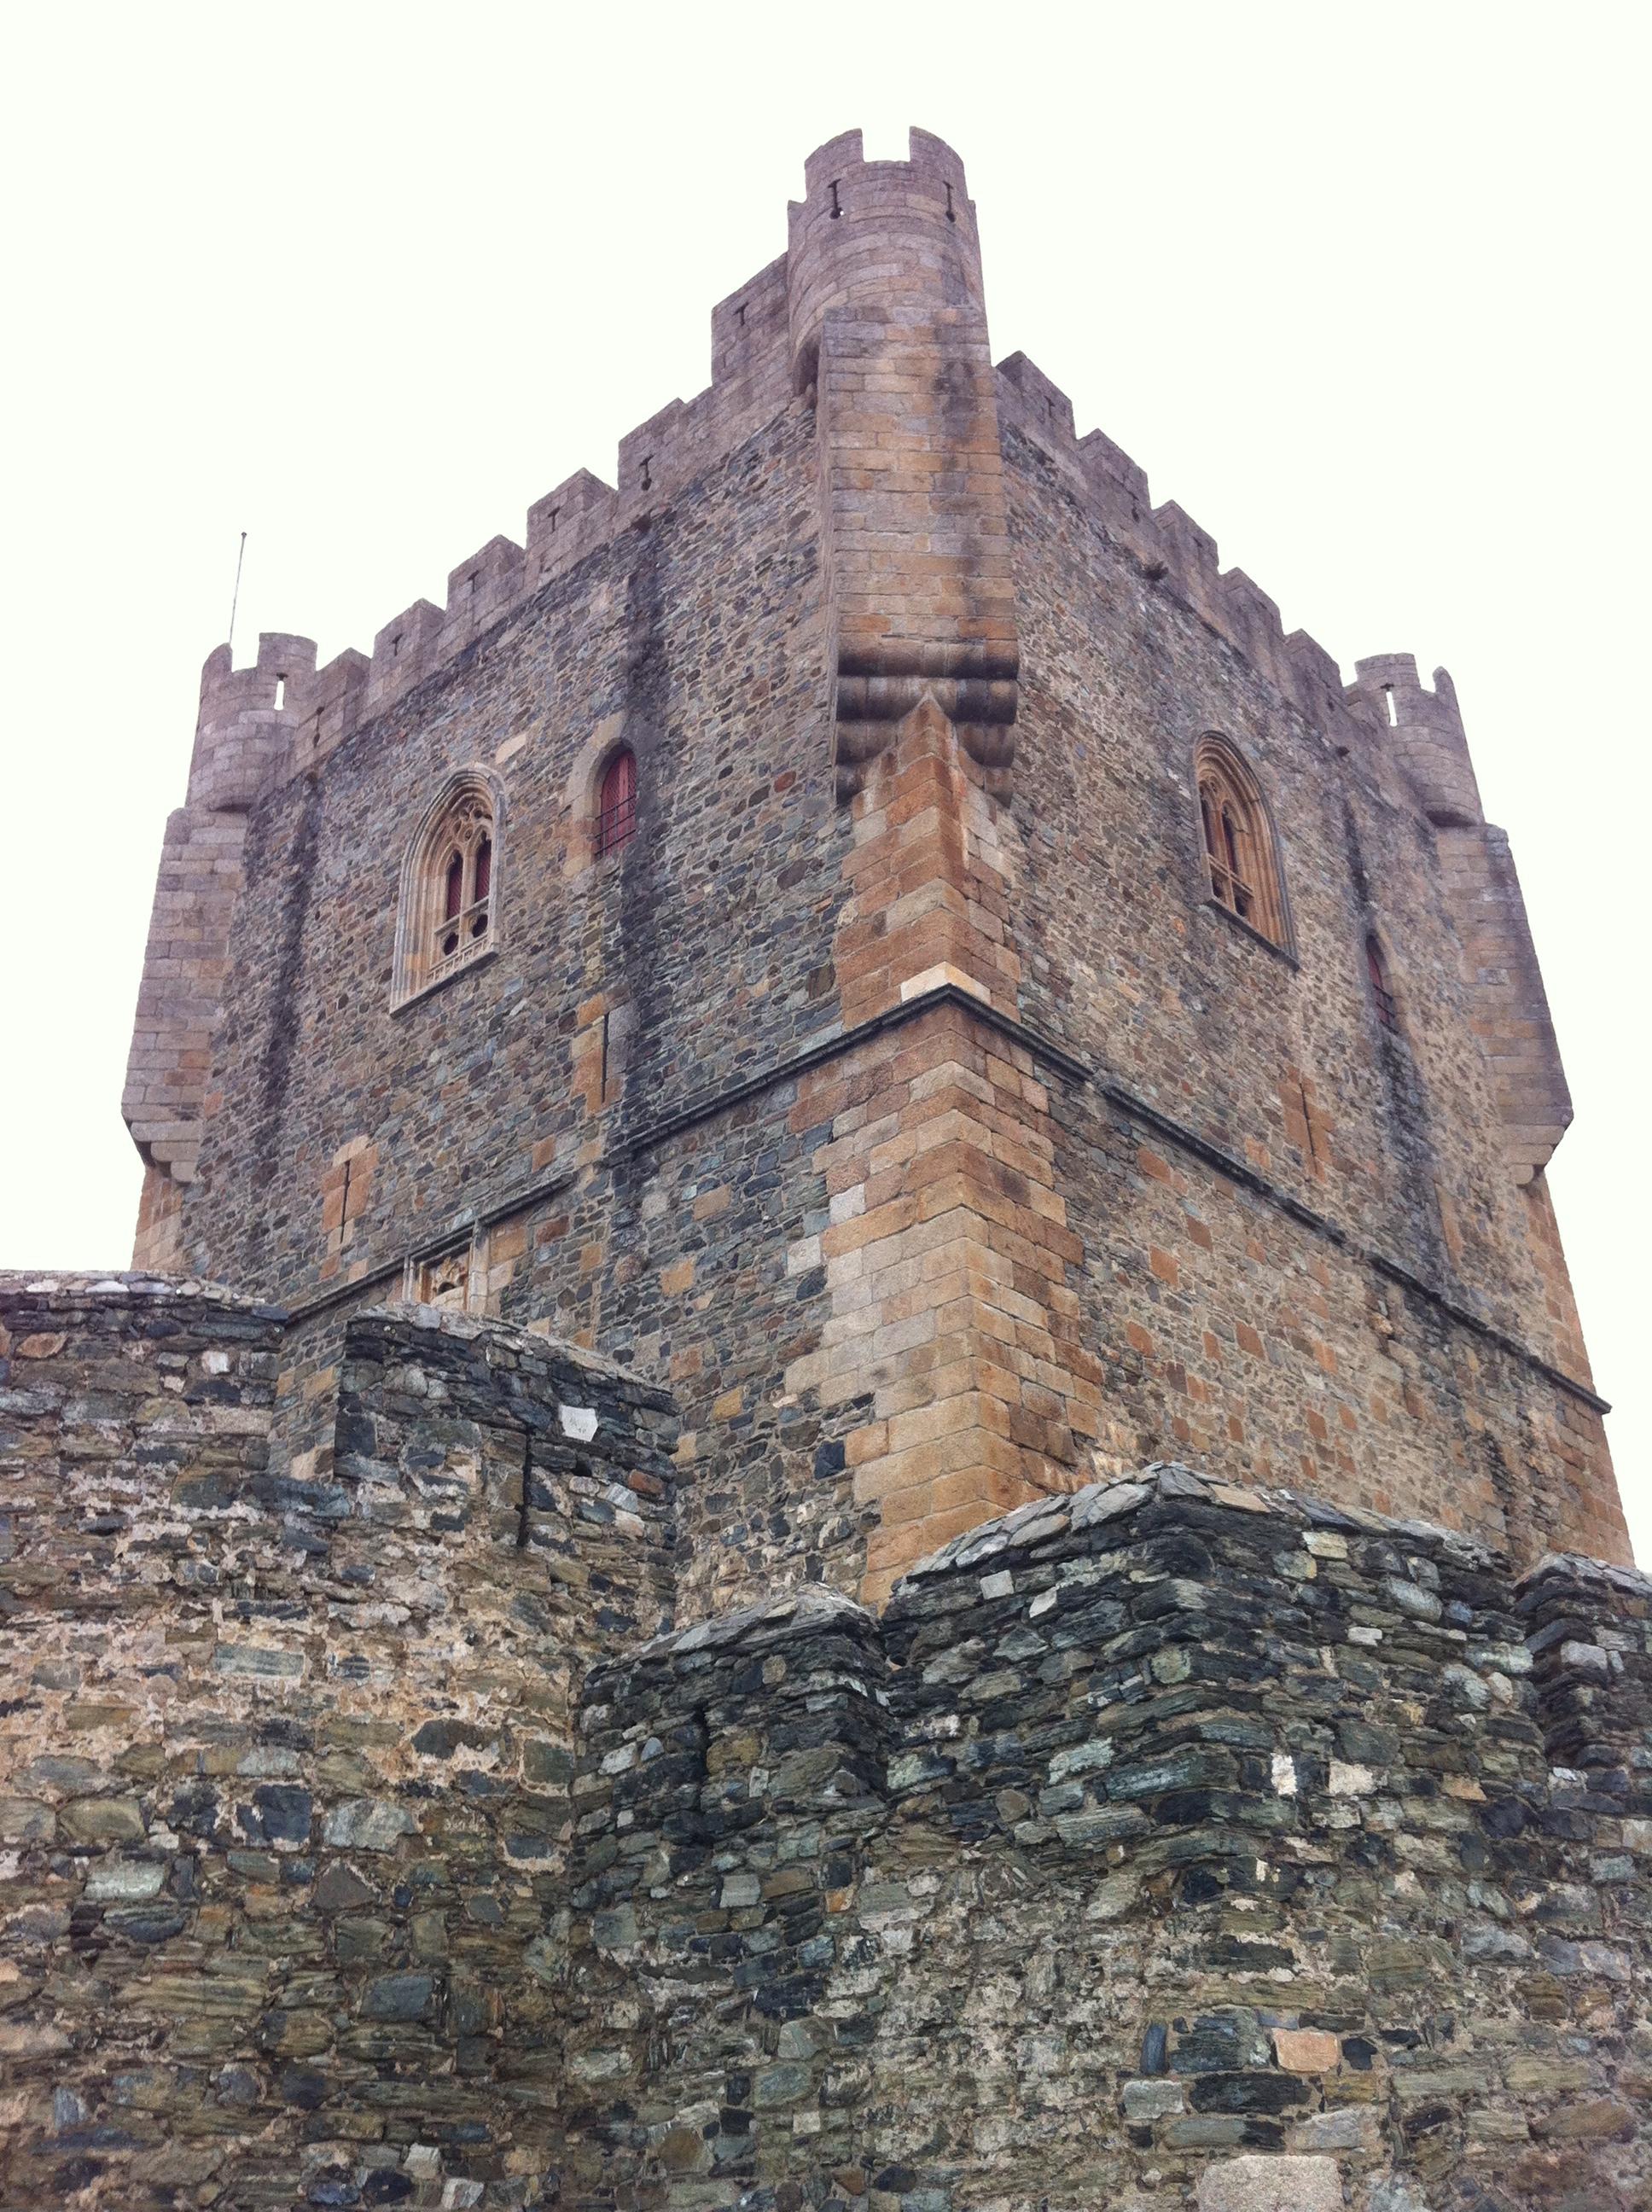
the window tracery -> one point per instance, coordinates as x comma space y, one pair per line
1241, 860
447, 917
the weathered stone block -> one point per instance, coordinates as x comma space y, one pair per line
1284, 2184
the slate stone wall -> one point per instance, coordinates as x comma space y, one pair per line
372, 1836
284, 1761
1169, 1841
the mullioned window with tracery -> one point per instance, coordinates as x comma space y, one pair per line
1242, 862
450, 886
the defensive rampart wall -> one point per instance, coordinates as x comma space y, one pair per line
1168, 1843
284, 1763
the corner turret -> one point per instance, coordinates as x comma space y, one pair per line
887, 236
1426, 735
1425, 730
245, 730
889, 331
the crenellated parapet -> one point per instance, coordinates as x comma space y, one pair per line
1178, 555
883, 269
883, 264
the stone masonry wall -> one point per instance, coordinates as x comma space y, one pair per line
283, 1767
372, 1836
1171, 1842
1241, 1332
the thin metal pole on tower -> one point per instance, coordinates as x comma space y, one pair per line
235, 596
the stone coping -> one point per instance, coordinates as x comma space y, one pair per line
475, 1328
56, 1287
810, 1606
1044, 1519
1578, 1567
1041, 1523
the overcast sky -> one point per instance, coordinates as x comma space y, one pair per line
1359, 287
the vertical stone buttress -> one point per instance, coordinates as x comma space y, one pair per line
952, 1320
242, 737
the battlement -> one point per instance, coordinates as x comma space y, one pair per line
879, 234
1175, 553
255, 738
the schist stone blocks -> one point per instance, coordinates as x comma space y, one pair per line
1170, 1841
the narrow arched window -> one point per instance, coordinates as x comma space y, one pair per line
1382, 998
1241, 860
616, 801
449, 887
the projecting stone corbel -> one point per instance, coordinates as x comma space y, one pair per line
977, 689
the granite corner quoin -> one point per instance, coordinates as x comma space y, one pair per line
898, 1506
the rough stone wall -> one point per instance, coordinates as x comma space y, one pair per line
284, 1771
373, 1837
685, 641
1171, 1841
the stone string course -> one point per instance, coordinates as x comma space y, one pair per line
377, 1838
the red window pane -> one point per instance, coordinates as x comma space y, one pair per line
453, 895
616, 814
484, 868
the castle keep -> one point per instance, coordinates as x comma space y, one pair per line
849, 1465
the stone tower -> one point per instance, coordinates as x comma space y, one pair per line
851, 1465
900, 1092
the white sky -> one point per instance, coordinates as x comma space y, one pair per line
1358, 286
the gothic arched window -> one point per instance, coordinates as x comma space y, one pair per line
616, 802
448, 916
1241, 862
